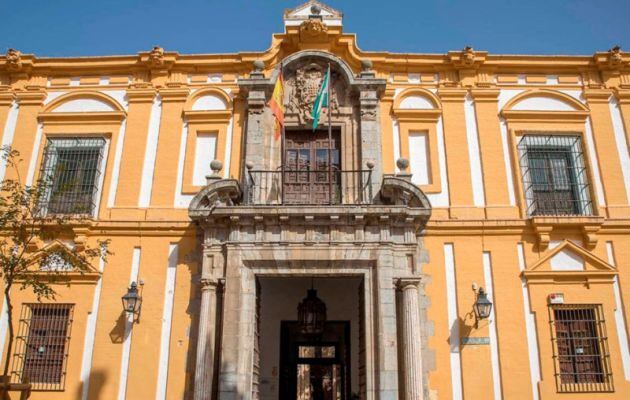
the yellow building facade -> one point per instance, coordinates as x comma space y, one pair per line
441, 174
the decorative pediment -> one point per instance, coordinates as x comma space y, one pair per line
56, 260
220, 192
569, 261
304, 12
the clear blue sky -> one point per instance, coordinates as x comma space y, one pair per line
96, 27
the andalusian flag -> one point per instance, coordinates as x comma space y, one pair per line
321, 100
276, 104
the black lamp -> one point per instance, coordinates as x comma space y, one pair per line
131, 300
482, 306
311, 314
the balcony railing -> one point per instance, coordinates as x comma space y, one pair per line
308, 187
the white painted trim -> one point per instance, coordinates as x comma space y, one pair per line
594, 163
492, 328
167, 319
101, 178
182, 200
124, 363
396, 142
4, 324
453, 321
9, 133
148, 167
530, 328
509, 173
228, 148
113, 184
472, 136
90, 333
620, 139
32, 165
441, 199
620, 320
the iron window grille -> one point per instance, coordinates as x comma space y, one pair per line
71, 175
41, 346
555, 178
580, 348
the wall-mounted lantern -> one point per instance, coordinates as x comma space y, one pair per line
132, 301
482, 305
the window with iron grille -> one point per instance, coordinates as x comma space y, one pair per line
580, 348
71, 172
554, 173
41, 345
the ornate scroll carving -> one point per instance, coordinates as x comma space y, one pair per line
14, 60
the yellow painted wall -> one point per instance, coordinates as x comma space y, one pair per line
497, 228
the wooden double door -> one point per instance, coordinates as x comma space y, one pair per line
308, 179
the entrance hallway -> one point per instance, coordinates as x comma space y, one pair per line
278, 302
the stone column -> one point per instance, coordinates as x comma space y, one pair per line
412, 357
204, 368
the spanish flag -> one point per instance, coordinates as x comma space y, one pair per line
276, 104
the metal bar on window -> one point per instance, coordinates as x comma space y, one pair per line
41, 346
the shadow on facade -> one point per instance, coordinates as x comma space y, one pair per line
118, 334
96, 384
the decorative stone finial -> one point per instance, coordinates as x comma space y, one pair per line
258, 65
216, 166
14, 60
402, 164
249, 165
156, 56
468, 55
366, 64
614, 55
316, 10
370, 164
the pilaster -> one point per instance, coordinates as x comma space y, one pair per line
457, 158
606, 147
30, 102
136, 134
7, 97
623, 99
165, 175
490, 144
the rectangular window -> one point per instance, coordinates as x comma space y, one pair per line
205, 152
554, 173
580, 348
419, 158
41, 345
71, 171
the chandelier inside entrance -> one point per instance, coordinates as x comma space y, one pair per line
312, 314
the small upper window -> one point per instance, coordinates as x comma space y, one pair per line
71, 173
554, 173
581, 357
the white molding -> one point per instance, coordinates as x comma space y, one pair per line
441, 199
594, 162
90, 333
9, 133
620, 320
492, 328
620, 140
396, 142
530, 328
509, 172
182, 200
150, 154
167, 319
453, 321
101, 178
113, 184
124, 363
472, 136
32, 165
228, 148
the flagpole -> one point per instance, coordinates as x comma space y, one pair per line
330, 143
282, 145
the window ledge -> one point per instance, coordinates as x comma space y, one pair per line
588, 225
